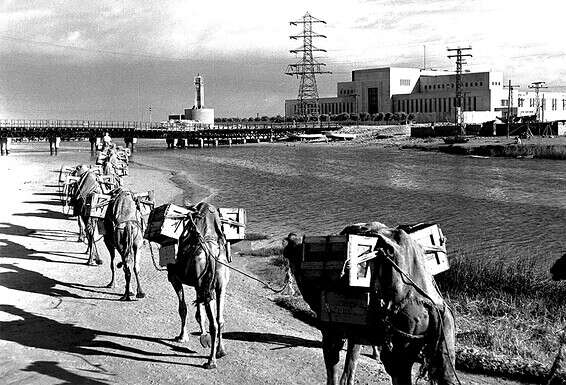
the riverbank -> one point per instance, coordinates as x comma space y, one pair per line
399, 136
58, 323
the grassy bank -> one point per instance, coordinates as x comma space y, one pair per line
540, 148
509, 316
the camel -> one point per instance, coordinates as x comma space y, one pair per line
123, 232
202, 263
86, 186
410, 320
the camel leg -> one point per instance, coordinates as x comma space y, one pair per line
220, 302
213, 329
81, 229
398, 367
331, 345
128, 276
352, 357
109, 241
178, 287
140, 293
90, 239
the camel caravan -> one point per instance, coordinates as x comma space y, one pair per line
369, 285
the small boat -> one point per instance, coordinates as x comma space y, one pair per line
340, 136
310, 137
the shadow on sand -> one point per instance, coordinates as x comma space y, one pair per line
52, 369
40, 332
43, 213
275, 339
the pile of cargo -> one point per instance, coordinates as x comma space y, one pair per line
340, 266
166, 224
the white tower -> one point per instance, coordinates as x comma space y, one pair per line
199, 92
199, 113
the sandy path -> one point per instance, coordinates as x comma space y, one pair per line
59, 325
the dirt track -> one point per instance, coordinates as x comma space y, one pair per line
59, 325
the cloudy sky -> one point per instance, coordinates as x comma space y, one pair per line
111, 59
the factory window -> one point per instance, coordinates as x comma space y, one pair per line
481, 84
443, 86
563, 104
504, 102
531, 102
554, 104
475, 104
466, 84
475, 84
421, 105
405, 82
452, 85
520, 102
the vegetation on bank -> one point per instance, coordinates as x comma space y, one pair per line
527, 150
510, 316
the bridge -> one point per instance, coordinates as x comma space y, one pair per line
182, 132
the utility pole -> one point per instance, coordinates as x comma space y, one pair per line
307, 67
537, 86
459, 118
509, 103
149, 110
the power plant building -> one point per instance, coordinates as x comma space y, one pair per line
198, 113
430, 96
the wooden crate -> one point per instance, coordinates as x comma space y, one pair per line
165, 223
168, 254
430, 237
323, 258
97, 204
107, 183
145, 202
233, 223
348, 307
359, 246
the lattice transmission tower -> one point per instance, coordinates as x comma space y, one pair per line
459, 83
307, 67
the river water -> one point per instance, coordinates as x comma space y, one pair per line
487, 207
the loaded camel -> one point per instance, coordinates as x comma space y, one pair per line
201, 263
123, 232
410, 320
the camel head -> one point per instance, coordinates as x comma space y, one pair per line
292, 251
558, 269
401, 257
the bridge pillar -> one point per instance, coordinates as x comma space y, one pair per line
257, 140
134, 141
201, 143
181, 142
215, 142
229, 142
270, 138
244, 140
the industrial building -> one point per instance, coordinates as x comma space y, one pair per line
430, 95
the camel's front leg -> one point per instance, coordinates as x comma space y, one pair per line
140, 293
351, 363
213, 328
109, 241
178, 287
199, 316
220, 301
331, 345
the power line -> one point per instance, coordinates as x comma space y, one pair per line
537, 86
91, 50
509, 103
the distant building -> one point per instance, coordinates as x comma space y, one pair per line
430, 95
198, 113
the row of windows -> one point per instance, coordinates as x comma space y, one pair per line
435, 104
533, 103
331, 108
495, 83
451, 85
346, 92
404, 82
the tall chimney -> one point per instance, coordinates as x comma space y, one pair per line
199, 92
